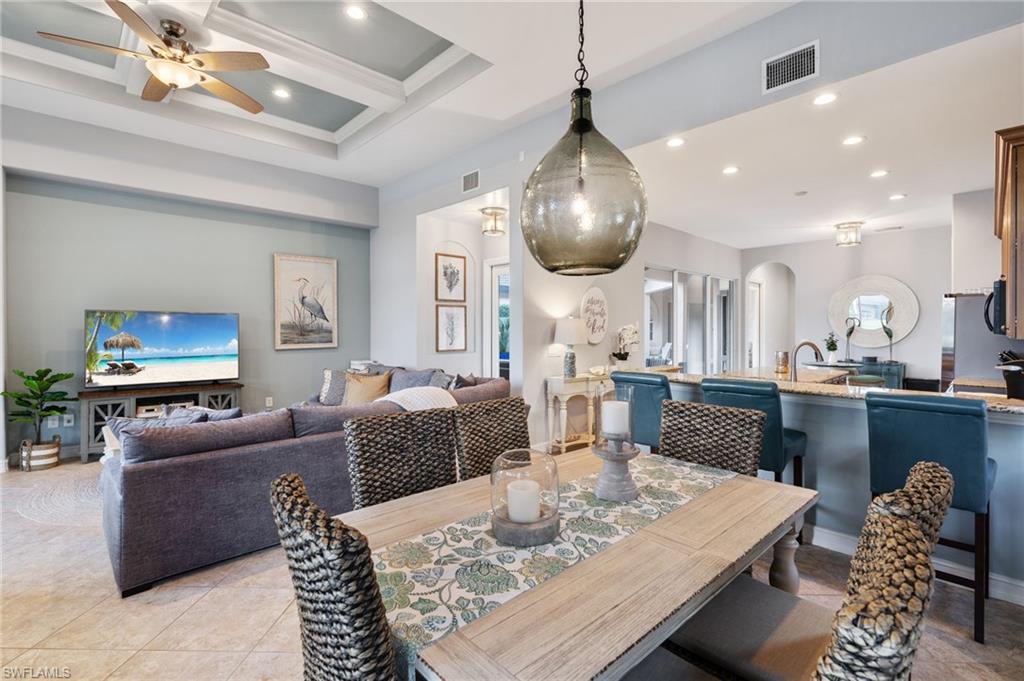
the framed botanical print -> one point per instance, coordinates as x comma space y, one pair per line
449, 278
305, 302
451, 328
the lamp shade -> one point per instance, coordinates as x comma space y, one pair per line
570, 331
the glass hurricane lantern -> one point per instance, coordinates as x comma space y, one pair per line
524, 498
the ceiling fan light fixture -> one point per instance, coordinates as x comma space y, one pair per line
173, 73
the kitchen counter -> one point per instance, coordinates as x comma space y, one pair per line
972, 382
803, 374
996, 403
836, 464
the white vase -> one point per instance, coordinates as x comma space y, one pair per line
831, 356
622, 364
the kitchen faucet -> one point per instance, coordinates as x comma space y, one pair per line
792, 365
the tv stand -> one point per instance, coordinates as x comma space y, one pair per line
100, 404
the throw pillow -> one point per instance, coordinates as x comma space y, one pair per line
332, 392
118, 424
211, 414
363, 388
376, 369
464, 381
406, 378
441, 380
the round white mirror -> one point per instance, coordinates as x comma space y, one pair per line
874, 299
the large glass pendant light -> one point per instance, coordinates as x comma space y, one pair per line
584, 206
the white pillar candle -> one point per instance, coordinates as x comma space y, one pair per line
615, 417
524, 501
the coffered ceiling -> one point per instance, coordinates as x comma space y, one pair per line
366, 99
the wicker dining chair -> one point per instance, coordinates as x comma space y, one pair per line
753, 631
345, 635
721, 437
485, 430
395, 455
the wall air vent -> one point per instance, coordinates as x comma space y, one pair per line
470, 181
791, 67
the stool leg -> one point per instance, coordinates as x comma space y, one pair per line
988, 554
980, 576
778, 476
798, 471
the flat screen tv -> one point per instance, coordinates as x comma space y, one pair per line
134, 347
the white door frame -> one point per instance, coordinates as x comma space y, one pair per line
489, 359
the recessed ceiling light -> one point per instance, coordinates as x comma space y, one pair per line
853, 139
355, 12
825, 98
281, 93
730, 170
674, 142
879, 173
897, 197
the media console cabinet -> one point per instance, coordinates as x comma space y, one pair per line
99, 405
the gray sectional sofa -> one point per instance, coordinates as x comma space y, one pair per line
183, 497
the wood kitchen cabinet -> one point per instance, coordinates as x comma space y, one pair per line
1009, 222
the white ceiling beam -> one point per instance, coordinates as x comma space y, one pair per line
306, 63
57, 60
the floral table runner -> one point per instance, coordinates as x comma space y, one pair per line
434, 583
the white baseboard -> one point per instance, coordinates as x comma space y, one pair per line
1000, 586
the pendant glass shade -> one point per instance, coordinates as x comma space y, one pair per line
584, 206
494, 221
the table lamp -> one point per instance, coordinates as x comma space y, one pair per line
569, 332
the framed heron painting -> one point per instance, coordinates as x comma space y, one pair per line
305, 302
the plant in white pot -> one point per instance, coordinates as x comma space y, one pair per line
627, 339
38, 402
831, 344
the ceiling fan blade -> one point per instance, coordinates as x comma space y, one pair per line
155, 90
95, 46
136, 23
229, 61
230, 93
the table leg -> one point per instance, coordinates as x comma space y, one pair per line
551, 424
590, 418
563, 417
783, 573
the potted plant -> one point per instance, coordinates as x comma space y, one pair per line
626, 339
38, 402
831, 344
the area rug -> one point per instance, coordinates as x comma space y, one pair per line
72, 502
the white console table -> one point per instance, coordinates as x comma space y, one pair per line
561, 390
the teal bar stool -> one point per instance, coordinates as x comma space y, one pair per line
649, 391
781, 445
905, 429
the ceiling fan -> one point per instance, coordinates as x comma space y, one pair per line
173, 61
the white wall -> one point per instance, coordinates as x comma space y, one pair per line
3, 306
919, 258
778, 314
976, 255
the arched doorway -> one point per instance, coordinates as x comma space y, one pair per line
769, 319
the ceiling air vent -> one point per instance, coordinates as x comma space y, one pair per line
470, 181
790, 67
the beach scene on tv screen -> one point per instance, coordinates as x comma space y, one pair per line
135, 348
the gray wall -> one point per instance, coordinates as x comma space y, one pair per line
71, 247
919, 258
977, 252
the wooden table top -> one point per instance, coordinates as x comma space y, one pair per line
602, 616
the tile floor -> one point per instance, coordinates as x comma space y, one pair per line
238, 620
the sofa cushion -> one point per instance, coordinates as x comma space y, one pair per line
162, 443
485, 389
377, 369
314, 420
441, 380
332, 391
465, 381
364, 388
410, 378
118, 424
211, 414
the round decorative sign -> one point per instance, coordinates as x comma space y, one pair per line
594, 313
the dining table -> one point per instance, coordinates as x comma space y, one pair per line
619, 580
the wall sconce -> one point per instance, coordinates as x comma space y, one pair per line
848, 233
494, 220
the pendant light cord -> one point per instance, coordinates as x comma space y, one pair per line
581, 73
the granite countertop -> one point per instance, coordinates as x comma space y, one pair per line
973, 382
803, 374
996, 403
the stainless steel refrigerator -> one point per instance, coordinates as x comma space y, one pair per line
969, 349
